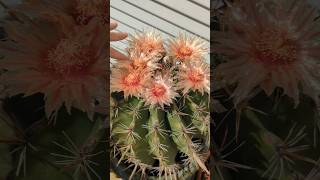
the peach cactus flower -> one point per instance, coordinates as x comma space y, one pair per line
194, 77
160, 91
271, 44
68, 68
131, 82
187, 49
147, 43
139, 62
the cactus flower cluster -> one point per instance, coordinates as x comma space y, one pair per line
159, 107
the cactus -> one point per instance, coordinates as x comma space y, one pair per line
144, 136
278, 124
33, 149
155, 136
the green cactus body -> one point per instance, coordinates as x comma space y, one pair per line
182, 136
160, 144
199, 116
129, 132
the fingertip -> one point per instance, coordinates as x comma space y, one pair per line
114, 22
117, 55
113, 25
125, 34
118, 36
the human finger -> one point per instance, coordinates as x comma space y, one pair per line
117, 36
117, 55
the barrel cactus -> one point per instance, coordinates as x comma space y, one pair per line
159, 108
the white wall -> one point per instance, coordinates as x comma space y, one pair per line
168, 16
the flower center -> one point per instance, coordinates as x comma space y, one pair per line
69, 56
131, 79
275, 48
150, 47
196, 76
158, 90
184, 52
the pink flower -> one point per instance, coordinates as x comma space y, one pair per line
139, 62
131, 82
187, 49
268, 45
147, 43
194, 77
160, 91
68, 68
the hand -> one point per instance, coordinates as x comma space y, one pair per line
116, 36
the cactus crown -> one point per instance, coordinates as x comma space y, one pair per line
160, 123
